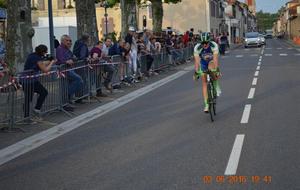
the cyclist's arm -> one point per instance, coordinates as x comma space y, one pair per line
197, 58
215, 55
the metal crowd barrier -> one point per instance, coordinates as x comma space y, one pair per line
18, 97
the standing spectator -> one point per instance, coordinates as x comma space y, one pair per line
56, 43
144, 54
65, 56
80, 49
35, 63
223, 41
186, 38
108, 68
131, 39
96, 55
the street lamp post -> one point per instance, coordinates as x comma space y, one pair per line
105, 15
51, 30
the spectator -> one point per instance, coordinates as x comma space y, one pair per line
144, 53
96, 55
65, 56
186, 38
131, 39
56, 43
80, 49
35, 63
108, 68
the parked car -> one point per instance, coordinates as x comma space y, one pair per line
262, 39
252, 39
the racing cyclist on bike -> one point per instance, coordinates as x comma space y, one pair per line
206, 55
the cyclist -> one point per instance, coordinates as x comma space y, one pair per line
206, 55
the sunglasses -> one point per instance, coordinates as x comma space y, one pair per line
204, 43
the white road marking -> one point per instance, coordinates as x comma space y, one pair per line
37, 140
283, 54
256, 73
234, 158
251, 93
268, 55
268, 48
246, 114
297, 54
279, 48
254, 82
254, 55
239, 56
258, 68
259, 63
290, 48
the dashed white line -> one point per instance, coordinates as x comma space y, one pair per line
251, 93
259, 63
234, 158
246, 114
268, 48
239, 56
283, 54
279, 48
268, 55
297, 54
256, 73
254, 82
254, 55
290, 48
258, 68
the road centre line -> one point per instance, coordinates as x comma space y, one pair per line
258, 68
268, 55
254, 82
239, 56
283, 54
251, 93
234, 158
246, 114
256, 73
13, 151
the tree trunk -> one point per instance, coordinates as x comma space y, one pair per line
157, 15
86, 19
19, 33
129, 17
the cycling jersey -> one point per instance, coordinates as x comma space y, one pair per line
206, 55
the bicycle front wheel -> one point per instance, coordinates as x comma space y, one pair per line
210, 101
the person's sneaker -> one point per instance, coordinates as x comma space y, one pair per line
37, 111
68, 108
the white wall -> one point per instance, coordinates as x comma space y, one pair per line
41, 35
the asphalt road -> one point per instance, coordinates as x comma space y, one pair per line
163, 140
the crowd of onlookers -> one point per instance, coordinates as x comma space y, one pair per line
135, 47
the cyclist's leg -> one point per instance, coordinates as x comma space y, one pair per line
216, 72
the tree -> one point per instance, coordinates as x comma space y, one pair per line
265, 20
158, 13
128, 14
3, 3
19, 33
86, 18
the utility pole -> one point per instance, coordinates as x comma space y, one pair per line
51, 30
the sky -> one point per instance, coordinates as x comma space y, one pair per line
271, 6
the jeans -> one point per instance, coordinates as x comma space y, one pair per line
75, 83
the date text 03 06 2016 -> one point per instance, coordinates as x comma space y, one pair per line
236, 179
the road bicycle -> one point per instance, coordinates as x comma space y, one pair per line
211, 93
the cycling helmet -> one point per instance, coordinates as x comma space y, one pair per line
205, 37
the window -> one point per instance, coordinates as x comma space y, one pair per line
149, 11
212, 9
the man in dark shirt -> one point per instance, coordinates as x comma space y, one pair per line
35, 63
80, 49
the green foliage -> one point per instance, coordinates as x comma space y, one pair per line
3, 3
265, 20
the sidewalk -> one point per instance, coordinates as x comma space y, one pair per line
55, 118
290, 42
